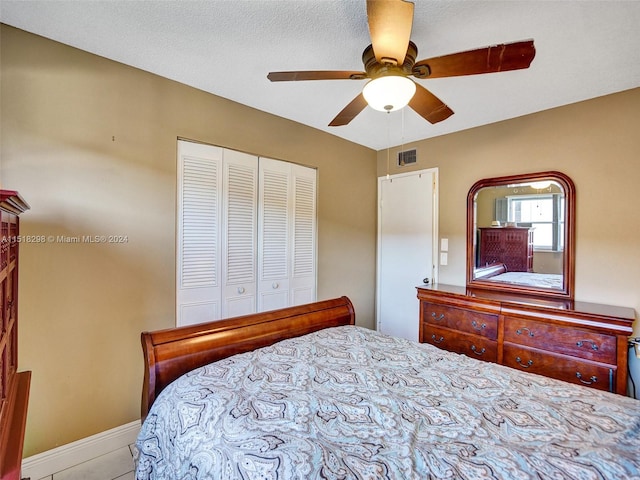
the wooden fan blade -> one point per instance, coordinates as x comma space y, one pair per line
390, 23
316, 75
349, 112
497, 58
428, 106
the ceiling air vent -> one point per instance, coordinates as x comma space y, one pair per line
407, 157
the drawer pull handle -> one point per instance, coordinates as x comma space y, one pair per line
438, 318
476, 351
593, 379
594, 347
474, 324
433, 337
520, 331
524, 365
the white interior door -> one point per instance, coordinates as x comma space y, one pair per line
407, 217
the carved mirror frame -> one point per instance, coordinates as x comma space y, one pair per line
568, 261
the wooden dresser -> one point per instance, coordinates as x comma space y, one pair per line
579, 342
512, 246
14, 385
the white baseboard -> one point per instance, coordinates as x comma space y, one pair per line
55, 460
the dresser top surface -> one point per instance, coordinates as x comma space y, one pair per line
587, 308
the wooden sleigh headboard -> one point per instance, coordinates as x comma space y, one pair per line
170, 353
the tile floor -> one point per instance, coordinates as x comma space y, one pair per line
116, 465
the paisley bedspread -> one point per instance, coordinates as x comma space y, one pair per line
351, 403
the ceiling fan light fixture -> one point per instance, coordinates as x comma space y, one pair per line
389, 93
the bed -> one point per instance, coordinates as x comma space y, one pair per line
304, 393
497, 272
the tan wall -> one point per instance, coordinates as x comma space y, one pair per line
596, 143
91, 145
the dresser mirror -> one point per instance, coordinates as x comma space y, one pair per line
521, 234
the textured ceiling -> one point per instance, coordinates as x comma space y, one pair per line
584, 49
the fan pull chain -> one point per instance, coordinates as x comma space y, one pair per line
402, 131
388, 141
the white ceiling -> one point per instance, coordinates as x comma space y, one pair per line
584, 49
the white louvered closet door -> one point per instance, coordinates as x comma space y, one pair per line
274, 231
286, 235
240, 206
302, 283
199, 257
246, 234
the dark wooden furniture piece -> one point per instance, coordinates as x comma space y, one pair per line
14, 385
173, 352
512, 246
475, 263
579, 342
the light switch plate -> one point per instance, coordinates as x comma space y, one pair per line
443, 258
444, 244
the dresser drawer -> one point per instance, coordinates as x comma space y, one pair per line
561, 367
565, 340
473, 346
460, 319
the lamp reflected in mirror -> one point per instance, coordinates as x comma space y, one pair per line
541, 185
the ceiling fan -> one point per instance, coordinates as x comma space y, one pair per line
391, 57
